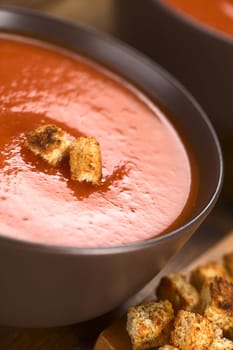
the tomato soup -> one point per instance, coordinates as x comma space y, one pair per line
147, 176
217, 14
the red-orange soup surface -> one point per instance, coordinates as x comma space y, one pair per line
217, 14
147, 174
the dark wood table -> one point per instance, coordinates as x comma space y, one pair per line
100, 15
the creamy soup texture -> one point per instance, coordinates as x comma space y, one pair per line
147, 177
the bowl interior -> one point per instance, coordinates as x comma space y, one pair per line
31, 266
149, 77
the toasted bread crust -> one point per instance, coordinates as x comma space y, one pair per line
49, 142
192, 331
217, 303
206, 271
175, 288
85, 160
149, 325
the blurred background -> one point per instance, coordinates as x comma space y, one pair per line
96, 13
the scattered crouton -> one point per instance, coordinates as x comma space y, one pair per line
175, 288
228, 263
85, 160
149, 325
221, 344
217, 303
49, 142
204, 272
192, 331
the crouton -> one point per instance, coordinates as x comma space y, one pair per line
149, 325
217, 304
228, 263
192, 331
49, 142
175, 288
221, 344
168, 347
85, 160
204, 272
217, 331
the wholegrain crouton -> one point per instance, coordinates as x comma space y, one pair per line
149, 325
85, 160
192, 331
175, 288
49, 142
221, 344
204, 272
217, 303
228, 263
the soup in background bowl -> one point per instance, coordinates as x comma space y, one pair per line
215, 14
182, 36
73, 251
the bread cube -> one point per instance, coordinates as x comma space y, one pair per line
149, 325
175, 288
217, 303
204, 272
85, 160
49, 142
192, 331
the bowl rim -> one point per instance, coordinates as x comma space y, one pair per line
194, 23
142, 60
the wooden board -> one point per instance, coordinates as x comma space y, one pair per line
215, 253
75, 337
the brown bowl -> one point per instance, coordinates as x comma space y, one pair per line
44, 285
